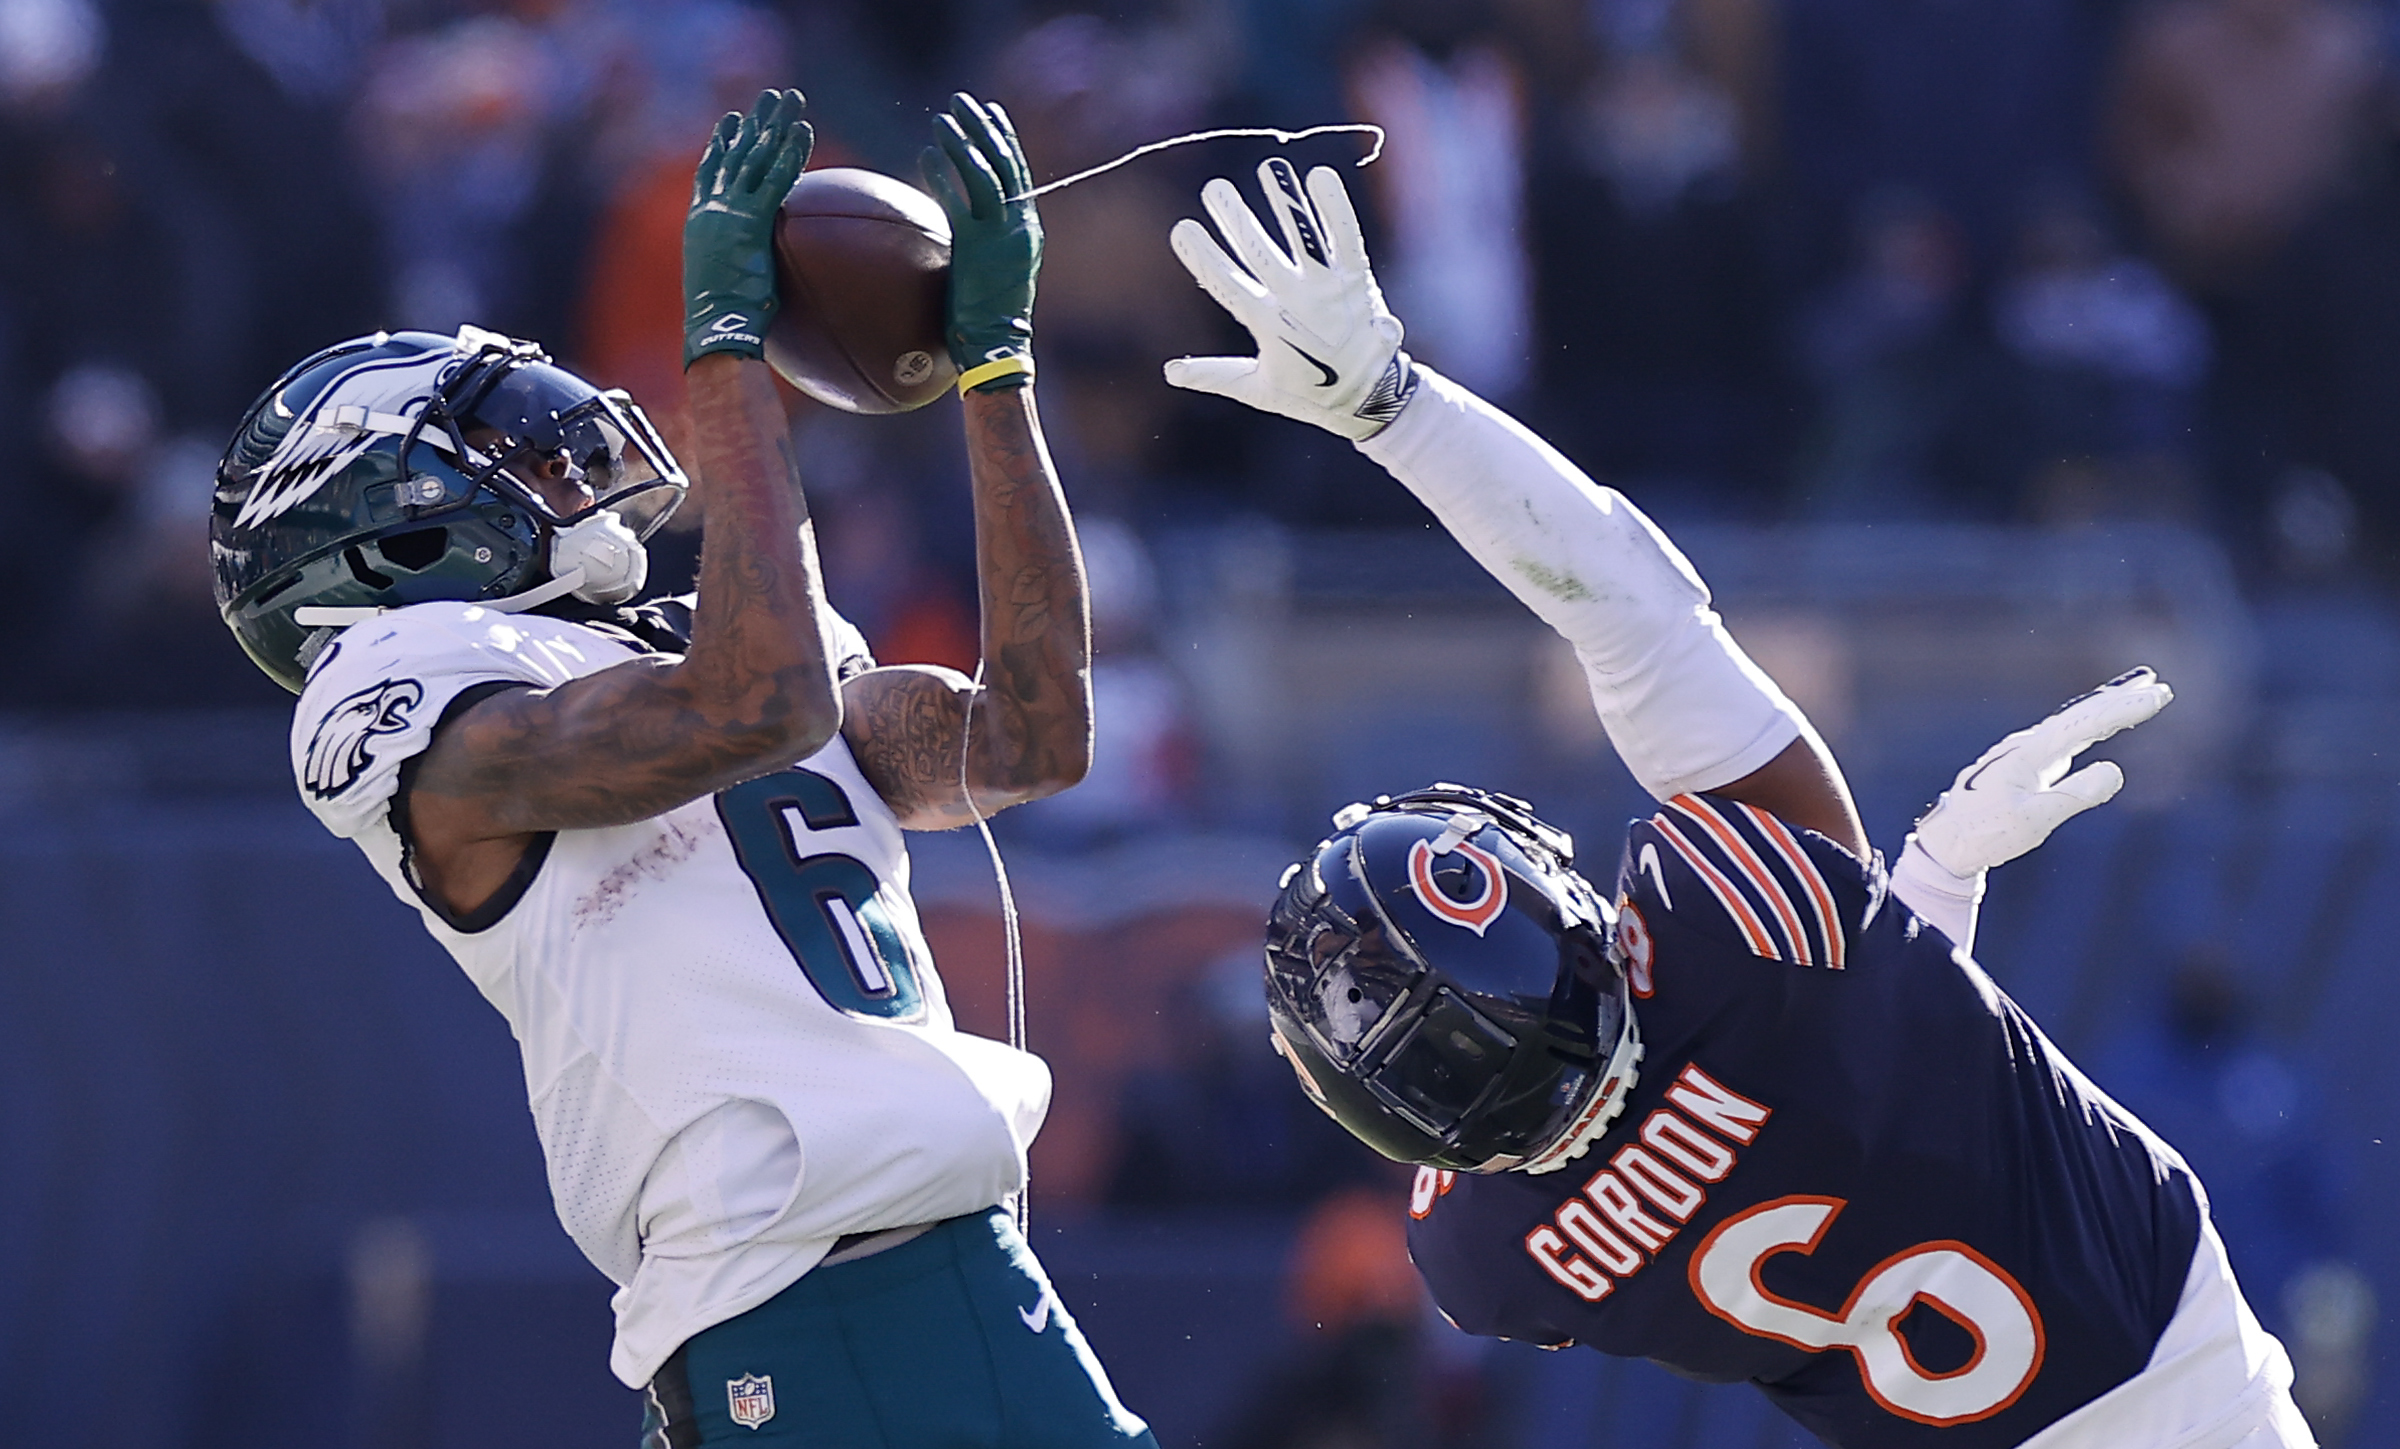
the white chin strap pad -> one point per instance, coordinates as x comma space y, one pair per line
613, 561
1685, 707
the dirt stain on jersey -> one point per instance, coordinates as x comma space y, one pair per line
653, 862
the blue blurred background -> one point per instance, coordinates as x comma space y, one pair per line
1975, 350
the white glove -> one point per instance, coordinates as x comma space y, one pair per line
2013, 796
1329, 349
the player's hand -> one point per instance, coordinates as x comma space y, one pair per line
1328, 348
729, 237
2009, 801
977, 171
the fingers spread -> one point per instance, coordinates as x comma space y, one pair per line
1303, 238
1239, 226
1234, 289
1342, 236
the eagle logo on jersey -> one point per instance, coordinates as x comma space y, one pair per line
750, 1399
338, 752
372, 400
1476, 912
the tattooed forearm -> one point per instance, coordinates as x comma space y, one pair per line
927, 738
1033, 726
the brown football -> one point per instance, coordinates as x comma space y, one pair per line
862, 268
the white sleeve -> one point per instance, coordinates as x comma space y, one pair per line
1686, 709
374, 697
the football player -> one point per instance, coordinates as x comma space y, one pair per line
663, 837
1748, 1114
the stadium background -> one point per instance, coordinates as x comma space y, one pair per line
1974, 350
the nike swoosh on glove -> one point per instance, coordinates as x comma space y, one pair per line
2011, 798
1328, 348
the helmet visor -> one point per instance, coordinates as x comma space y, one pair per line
545, 414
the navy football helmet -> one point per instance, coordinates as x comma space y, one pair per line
1448, 988
381, 472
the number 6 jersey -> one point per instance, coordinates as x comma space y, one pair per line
1853, 1171
735, 1045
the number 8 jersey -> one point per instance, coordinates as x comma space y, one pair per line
1855, 1174
735, 1044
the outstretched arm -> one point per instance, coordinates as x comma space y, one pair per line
939, 750
755, 692
1686, 709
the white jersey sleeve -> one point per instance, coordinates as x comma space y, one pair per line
375, 697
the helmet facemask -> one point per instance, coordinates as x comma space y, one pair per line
510, 412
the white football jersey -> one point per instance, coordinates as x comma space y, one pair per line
736, 1047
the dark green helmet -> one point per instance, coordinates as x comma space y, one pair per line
380, 473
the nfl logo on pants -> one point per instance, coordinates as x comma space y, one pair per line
751, 1399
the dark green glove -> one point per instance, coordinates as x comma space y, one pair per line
729, 238
995, 241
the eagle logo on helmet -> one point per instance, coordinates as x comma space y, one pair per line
1477, 912
374, 399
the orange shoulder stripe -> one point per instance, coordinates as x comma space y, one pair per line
1820, 895
1724, 890
1777, 897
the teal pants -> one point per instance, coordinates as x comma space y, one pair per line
953, 1340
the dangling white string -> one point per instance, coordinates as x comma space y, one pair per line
1013, 944
1013, 941
1286, 137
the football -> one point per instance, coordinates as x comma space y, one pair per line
862, 271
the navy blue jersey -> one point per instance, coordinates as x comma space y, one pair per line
1853, 1172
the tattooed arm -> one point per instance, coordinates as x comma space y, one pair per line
754, 693
1028, 731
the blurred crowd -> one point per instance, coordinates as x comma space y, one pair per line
2054, 261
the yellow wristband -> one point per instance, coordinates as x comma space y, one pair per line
983, 372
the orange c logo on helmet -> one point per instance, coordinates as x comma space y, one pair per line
1476, 915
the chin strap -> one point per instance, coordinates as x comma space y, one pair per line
317, 616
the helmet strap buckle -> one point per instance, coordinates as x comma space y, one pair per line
1464, 824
